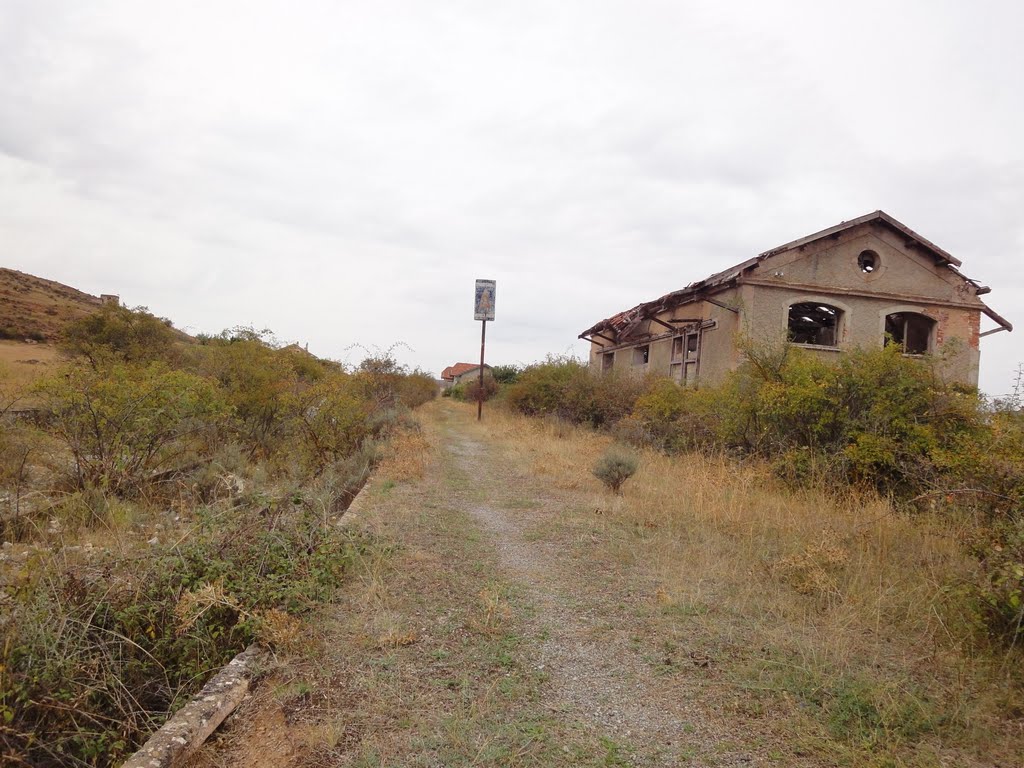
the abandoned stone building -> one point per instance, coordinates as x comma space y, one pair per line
862, 283
461, 373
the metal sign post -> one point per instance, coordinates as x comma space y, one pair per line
483, 310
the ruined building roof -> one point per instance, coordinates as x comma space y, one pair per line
624, 322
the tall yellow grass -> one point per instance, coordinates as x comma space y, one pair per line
836, 585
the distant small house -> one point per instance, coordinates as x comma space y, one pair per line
862, 283
460, 372
110, 298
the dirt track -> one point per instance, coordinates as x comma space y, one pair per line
506, 628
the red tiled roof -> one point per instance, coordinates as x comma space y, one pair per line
458, 369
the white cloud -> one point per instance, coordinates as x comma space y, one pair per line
342, 172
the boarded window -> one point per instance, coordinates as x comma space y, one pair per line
814, 323
911, 331
641, 354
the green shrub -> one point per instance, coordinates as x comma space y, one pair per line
381, 377
506, 374
124, 422
566, 387
541, 388
879, 418
307, 368
120, 334
615, 467
675, 418
333, 417
471, 389
258, 382
998, 591
417, 388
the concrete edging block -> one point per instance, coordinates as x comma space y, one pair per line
192, 724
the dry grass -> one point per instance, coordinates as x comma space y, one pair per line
24, 363
35, 305
792, 629
406, 457
837, 600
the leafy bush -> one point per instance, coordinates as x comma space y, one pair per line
997, 593
120, 334
873, 418
506, 374
123, 423
541, 388
470, 390
615, 467
417, 388
381, 378
333, 416
674, 418
566, 387
881, 418
257, 381
307, 368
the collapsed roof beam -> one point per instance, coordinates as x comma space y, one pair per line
598, 335
721, 304
1004, 324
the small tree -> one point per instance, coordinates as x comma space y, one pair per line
120, 334
506, 374
333, 418
472, 388
257, 382
417, 388
127, 421
616, 466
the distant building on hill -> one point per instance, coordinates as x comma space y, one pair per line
110, 298
862, 283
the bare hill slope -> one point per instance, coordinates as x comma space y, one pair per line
35, 308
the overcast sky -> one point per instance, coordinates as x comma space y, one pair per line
341, 172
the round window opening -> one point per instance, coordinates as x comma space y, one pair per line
868, 262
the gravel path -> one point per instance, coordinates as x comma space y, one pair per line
581, 614
506, 625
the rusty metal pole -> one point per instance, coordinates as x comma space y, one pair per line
480, 388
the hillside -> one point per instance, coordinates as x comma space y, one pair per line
39, 309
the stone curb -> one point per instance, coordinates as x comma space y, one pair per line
193, 723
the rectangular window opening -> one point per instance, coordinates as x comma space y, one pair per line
814, 323
677, 348
910, 331
691, 346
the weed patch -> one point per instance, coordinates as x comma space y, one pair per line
98, 651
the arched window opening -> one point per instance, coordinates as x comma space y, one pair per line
911, 331
814, 323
